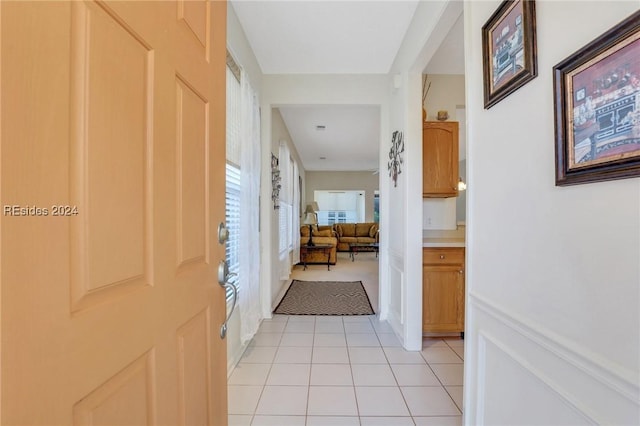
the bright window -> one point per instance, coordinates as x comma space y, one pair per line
232, 211
233, 188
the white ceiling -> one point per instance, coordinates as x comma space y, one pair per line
350, 141
449, 58
318, 37
336, 37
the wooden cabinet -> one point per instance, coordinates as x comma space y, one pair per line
443, 289
440, 159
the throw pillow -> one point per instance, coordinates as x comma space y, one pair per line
362, 229
373, 230
339, 230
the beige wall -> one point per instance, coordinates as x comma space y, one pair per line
446, 92
344, 181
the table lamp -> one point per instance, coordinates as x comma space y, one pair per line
311, 218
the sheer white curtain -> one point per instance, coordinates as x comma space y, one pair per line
249, 298
296, 215
284, 163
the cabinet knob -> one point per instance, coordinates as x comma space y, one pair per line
461, 271
442, 256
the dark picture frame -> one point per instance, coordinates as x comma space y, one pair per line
509, 49
597, 108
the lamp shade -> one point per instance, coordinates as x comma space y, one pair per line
310, 218
310, 215
311, 207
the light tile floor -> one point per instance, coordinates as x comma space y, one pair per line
344, 371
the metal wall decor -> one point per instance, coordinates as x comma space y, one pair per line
275, 182
395, 157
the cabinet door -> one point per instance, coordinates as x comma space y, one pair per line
443, 298
440, 159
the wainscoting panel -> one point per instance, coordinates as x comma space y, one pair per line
528, 375
396, 292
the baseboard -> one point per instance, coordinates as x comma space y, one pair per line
232, 363
281, 293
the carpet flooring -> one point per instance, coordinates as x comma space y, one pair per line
325, 298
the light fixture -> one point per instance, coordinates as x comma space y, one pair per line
461, 185
311, 218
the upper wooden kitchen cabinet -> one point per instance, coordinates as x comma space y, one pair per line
440, 159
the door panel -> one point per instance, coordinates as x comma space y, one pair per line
110, 311
192, 147
109, 82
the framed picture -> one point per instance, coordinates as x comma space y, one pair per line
597, 108
509, 49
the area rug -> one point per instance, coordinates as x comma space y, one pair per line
325, 298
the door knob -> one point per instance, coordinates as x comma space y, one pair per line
223, 233
224, 274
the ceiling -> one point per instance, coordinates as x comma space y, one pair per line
348, 142
336, 37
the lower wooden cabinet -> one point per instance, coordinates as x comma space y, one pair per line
443, 289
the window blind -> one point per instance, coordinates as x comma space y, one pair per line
232, 187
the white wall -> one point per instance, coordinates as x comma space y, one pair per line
405, 212
428, 28
553, 278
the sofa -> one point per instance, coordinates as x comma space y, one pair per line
323, 234
347, 233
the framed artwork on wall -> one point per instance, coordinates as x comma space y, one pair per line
509, 49
597, 108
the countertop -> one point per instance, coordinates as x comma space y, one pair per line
444, 238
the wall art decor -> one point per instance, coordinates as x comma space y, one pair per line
275, 182
597, 108
509, 49
395, 156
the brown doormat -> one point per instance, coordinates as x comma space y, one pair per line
325, 298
